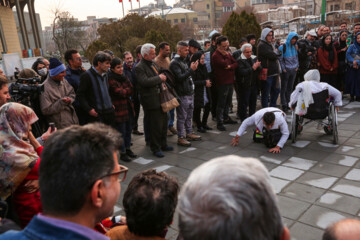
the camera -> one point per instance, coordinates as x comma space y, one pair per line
25, 88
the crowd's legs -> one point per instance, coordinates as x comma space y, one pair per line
222, 108
287, 82
269, 87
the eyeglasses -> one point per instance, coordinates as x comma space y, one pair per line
121, 173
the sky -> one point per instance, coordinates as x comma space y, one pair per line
82, 8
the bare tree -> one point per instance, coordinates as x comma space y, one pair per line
67, 32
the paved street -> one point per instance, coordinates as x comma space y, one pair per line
316, 181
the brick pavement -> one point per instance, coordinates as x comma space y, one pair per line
316, 181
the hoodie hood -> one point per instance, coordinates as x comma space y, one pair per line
264, 33
312, 75
291, 36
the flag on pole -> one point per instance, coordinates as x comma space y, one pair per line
120, 1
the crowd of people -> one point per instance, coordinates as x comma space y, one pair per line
96, 111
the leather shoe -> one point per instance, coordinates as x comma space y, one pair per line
230, 121
130, 153
183, 142
201, 129
206, 127
221, 127
137, 132
173, 130
125, 157
167, 148
159, 154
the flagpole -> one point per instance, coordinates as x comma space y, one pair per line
131, 4
122, 2
139, 6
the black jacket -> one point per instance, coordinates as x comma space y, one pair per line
200, 76
148, 82
304, 48
184, 85
245, 75
268, 57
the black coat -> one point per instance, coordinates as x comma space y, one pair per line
268, 57
148, 84
200, 76
245, 75
304, 48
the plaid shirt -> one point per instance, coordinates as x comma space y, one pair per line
120, 93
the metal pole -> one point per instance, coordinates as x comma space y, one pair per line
123, 8
323, 11
139, 6
19, 11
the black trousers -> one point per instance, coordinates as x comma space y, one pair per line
197, 113
248, 97
158, 122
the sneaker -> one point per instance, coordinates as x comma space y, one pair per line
173, 130
137, 132
125, 157
183, 142
130, 153
230, 121
221, 127
159, 154
201, 129
167, 148
169, 133
193, 137
206, 127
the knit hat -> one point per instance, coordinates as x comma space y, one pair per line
56, 67
194, 43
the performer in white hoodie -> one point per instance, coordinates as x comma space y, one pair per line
302, 95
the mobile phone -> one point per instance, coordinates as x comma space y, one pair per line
52, 126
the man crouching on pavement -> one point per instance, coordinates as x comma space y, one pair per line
271, 128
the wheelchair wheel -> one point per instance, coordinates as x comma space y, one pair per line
294, 127
334, 124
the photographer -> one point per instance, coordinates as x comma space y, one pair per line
58, 96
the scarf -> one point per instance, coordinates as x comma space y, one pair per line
117, 77
17, 155
356, 44
201, 67
329, 48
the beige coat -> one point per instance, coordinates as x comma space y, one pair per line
54, 109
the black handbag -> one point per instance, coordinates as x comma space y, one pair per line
271, 137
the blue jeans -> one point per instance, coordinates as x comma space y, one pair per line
269, 88
287, 84
125, 128
171, 116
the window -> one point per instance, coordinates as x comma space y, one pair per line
207, 6
183, 20
348, 6
195, 20
169, 21
175, 21
209, 16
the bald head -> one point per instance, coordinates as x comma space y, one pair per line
347, 229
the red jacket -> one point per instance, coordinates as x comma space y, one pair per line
324, 63
219, 63
120, 93
28, 204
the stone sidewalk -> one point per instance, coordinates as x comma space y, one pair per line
316, 182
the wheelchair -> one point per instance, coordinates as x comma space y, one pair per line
322, 111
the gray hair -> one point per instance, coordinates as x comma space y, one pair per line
246, 45
101, 56
229, 198
145, 49
181, 44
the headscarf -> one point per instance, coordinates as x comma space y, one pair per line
356, 44
201, 67
17, 156
329, 48
305, 97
